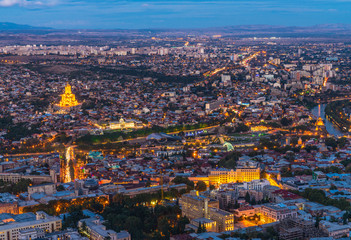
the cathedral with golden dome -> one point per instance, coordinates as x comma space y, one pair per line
320, 127
67, 103
68, 99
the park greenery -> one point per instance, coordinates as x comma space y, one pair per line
336, 113
230, 160
15, 188
319, 196
56, 207
179, 180
269, 233
16, 131
116, 136
158, 222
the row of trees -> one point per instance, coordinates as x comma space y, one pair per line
56, 207
114, 136
230, 160
15, 188
334, 110
315, 195
159, 222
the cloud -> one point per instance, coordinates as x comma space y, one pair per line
28, 3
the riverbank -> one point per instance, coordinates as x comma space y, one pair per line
319, 111
335, 112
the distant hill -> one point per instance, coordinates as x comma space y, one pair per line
13, 26
243, 31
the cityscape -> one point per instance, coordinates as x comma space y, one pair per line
228, 132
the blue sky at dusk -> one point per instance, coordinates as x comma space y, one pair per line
136, 14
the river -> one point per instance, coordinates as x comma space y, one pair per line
320, 111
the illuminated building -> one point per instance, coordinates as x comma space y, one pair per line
276, 212
97, 231
121, 124
15, 226
224, 219
47, 188
259, 128
16, 177
257, 185
68, 99
243, 173
320, 127
125, 124
319, 124
210, 225
196, 206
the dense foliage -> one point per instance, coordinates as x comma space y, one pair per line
15, 188
115, 136
315, 195
143, 222
230, 160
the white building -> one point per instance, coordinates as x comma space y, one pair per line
17, 226
98, 231
257, 185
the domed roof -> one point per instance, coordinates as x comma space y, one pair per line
91, 183
320, 122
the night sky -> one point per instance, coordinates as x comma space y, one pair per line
139, 14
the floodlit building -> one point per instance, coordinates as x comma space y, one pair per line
126, 124
16, 226
195, 206
68, 99
98, 231
243, 173
210, 225
276, 212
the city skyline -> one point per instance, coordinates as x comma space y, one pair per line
141, 14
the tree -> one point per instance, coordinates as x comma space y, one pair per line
318, 219
83, 228
341, 142
201, 186
229, 161
179, 180
242, 128
201, 228
163, 227
247, 197
181, 225
263, 174
331, 142
285, 122
253, 201
97, 207
134, 226
345, 218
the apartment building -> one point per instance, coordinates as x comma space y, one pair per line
16, 225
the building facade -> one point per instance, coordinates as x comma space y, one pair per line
14, 229
196, 206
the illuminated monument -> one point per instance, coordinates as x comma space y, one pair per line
68, 99
68, 102
320, 127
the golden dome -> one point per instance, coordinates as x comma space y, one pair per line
319, 122
68, 99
